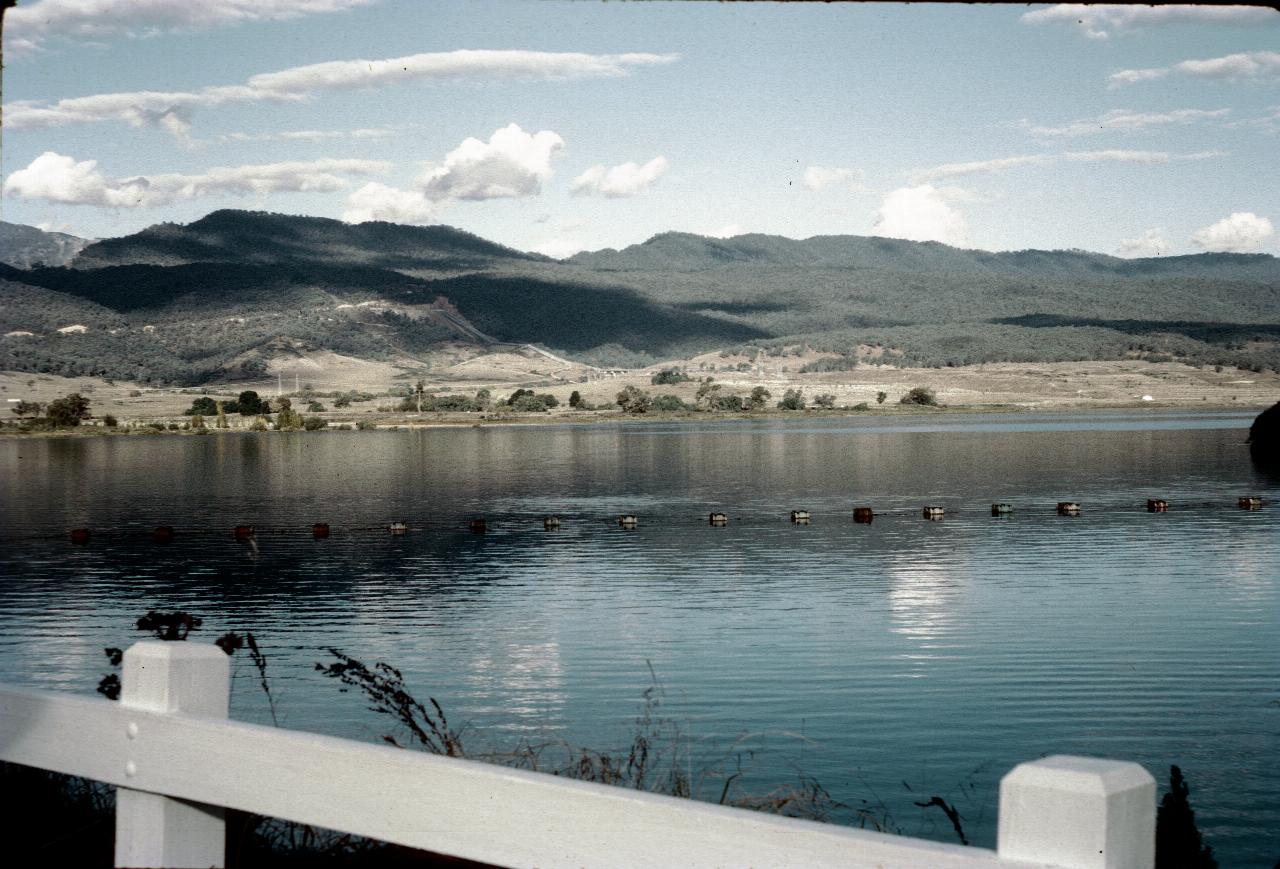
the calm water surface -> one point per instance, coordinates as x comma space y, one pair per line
890, 662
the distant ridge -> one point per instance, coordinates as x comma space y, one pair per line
260, 237
223, 295
26, 246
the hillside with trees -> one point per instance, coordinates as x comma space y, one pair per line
216, 298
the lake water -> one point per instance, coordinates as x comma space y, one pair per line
890, 661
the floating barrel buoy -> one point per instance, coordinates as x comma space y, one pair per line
243, 532
162, 533
863, 515
1001, 509
800, 517
1068, 508
80, 535
319, 530
1157, 505
719, 519
478, 526
628, 521
934, 512
398, 527
550, 523
1250, 503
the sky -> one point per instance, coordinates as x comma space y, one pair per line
564, 126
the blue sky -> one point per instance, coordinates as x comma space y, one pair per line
561, 126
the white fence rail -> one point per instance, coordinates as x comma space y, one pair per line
178, 762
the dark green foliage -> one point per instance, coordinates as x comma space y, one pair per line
110, 421
792, 399
881, 396
668, 376
758, 398
518, 394
727, 402
826, 400
668, 403
920, 395
575, 399
633, 400
313, 423
26, 408
249, 404
203, 406
68, 412
1178, 841
315, 407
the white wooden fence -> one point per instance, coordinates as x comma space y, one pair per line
178, 762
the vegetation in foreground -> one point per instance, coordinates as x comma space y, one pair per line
70, 820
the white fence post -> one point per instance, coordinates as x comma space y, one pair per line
1079, 813
154, 830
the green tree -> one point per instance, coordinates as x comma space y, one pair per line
575, 399
633, 400
203, 406
826, 400
920, 395
249, 404
315, 407
668, 403
881, 396
313, 423
792, 399
69, 411
759, 396
342, 401
668, 376
27, 408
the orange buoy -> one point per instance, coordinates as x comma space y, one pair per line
244, 532
863, 515
319, 530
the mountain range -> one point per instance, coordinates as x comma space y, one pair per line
217, 298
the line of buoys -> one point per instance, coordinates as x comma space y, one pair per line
629, 522
800, 517
718, 519
1068, 508
1157, 505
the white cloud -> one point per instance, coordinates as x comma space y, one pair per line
921, 214
1101, 20
511, 164
1127, 121
1150, 243
818, 177
1231, 67
58, 178
952, 170
1242, 231
1133, 76
366, 133
298, 83
627, 179
559, 248
1248, 64
729, 231
376, 201
31, 23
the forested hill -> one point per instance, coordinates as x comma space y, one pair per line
260, 238
26, 246
684, 252
224, 294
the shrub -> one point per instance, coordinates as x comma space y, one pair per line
313, 423
881, 396
669, 376
792, 399
759, 396
575, 399
633, 400
69, 411
110, 421
920, 395
202, 407
197, 421
315, 407
825, 400
258, 424
862, 405
669, 403
365, 425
